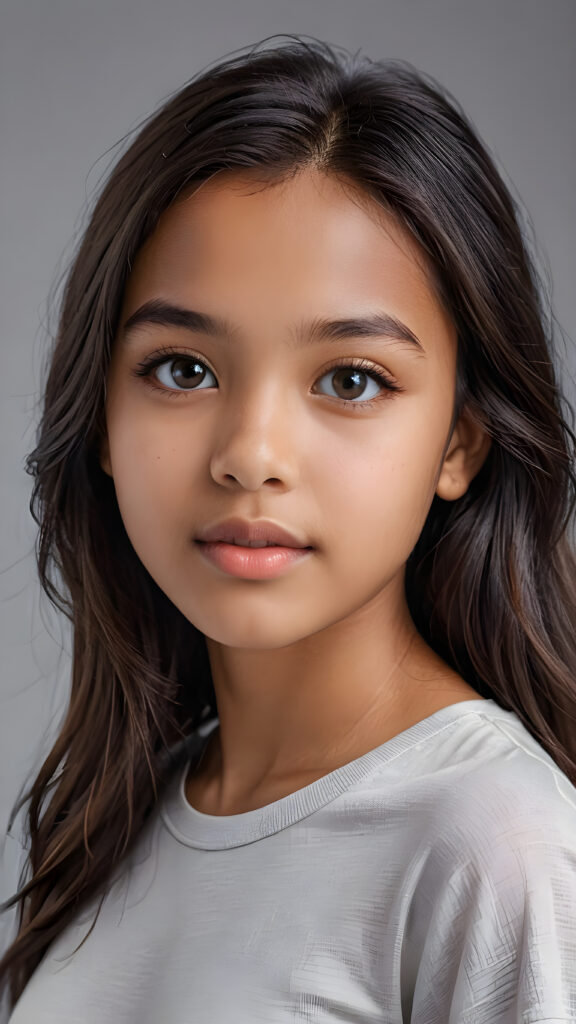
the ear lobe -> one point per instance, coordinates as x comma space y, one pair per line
466, 454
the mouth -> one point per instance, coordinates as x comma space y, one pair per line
254, 560
258, 533
257, 544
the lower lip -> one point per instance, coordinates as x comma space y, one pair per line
251, 563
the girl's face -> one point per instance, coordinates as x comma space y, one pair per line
265, 418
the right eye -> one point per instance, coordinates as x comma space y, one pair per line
181, 373
175, 372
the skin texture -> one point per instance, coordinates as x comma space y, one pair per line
319, 665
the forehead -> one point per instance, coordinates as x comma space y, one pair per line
250, 246
310, 212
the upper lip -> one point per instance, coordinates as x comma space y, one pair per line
244, 530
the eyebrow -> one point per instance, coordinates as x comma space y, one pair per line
376, 325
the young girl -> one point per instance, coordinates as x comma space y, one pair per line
304, 488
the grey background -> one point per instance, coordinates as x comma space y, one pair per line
75, 77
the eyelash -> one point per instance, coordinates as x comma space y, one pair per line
146, 367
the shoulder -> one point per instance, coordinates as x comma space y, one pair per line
507, 786
500, 814
474, 767
493, 918
466, 778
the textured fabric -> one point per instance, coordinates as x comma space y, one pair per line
430, 881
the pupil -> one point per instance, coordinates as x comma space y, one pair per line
352, 380
184, 370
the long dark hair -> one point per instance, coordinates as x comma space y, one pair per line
491, 583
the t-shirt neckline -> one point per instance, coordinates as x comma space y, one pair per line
219, 832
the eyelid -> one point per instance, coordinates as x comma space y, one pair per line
166, 353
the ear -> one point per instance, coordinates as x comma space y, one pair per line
467, 450
104, 456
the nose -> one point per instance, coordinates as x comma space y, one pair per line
256, 443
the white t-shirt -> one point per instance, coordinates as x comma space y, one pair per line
430, 881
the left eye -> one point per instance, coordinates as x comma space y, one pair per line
351, 381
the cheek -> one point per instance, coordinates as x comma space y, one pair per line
382, 478
154, 478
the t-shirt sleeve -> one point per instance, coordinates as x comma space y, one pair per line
499, 941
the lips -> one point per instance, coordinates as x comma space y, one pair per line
261, 532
